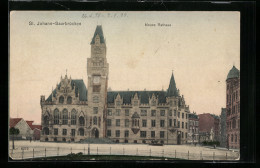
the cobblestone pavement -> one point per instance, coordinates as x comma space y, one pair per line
27, 149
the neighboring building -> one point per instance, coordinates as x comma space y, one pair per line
73, 113
222, 125
233, 108
26, 128
193, 135
208, 127
36, 130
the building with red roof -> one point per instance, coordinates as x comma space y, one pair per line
26, 128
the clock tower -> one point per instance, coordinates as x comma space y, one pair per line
97, 71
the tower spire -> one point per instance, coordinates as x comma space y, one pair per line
172, 90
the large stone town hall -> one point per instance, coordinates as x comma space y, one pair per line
74, 112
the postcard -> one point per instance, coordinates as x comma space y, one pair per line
124, 85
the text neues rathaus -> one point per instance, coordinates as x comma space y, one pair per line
73, 112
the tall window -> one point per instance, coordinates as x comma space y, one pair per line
174, 122
170, 122
170, 113
182, 124
178, 114
81, 121
143, 112
126, 133
126, 122
234, 123
109, 123
143, 134
153, 113
46, 131
162, 123
81, 132
126, 112
117, 133
55, 131
162, 112
118, 112
144, 123
73, 117
69, 100
152, 134
109, 133
178, 124
73, 132
95, 120
174, 112
61, 99
182, 115
153, 123
186, 125
56, 116
118, 122
46, 120
161, 134
65, 117
64, 131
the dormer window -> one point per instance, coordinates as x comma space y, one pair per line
118, 103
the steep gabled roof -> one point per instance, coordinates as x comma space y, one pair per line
99, 32
172, 90
14, 121
143, 95
82, 90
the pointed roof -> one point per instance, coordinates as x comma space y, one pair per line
80, 89
99, 32
14, 121
233, 73
172, 90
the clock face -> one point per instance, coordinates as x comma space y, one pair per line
96, 79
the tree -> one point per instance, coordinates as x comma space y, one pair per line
14, 131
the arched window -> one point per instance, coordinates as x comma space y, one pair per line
69, 100
46, 131
81, 132
65, 117
95, 120
61, 99
56, 116
81, 121
46, 120
73, 117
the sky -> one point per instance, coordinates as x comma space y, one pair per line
199, 48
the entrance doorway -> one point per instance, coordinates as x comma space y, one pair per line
179, 138
95, 133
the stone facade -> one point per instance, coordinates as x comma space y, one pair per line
73, 112
193, 135
222, 125
233, 108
